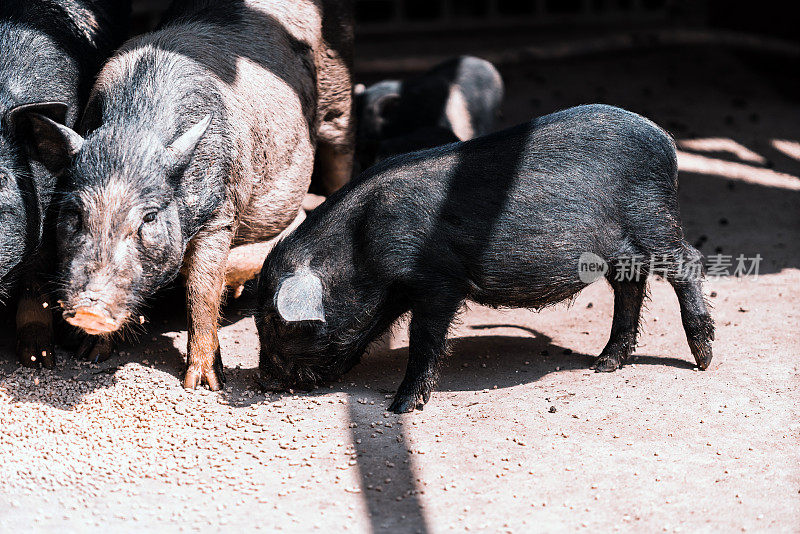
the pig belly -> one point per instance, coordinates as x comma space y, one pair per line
516, 281
265, 218
278, 192
274, 210
532, 297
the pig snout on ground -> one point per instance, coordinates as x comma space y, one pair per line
202, 136
50, 51
456, 100
505, 220
99, 308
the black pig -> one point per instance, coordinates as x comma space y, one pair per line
198, 136
50, 51
456, 100
502, 220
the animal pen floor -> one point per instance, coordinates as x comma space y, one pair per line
520, 435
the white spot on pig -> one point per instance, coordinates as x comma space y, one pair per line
457, 114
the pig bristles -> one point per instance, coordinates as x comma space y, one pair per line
10, 281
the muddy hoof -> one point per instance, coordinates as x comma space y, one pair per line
271, 385
405, 404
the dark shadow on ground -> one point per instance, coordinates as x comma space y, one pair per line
385, 467
722, 216
485, 361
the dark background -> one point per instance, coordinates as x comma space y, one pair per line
396, 37
550, 17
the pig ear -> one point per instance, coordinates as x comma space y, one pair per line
182, 149
299, 298
39, 127
56, 111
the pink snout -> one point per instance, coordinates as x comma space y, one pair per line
94, 320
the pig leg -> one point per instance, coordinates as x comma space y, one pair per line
427, 346
335, 165
95, 348
697, 322
628, 298
205, 284
34, 330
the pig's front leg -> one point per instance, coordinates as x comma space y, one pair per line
205, 283
34, 329
427, 345
95, 348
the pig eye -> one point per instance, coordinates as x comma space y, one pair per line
150, 216
73, 218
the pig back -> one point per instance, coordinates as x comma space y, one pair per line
262, 54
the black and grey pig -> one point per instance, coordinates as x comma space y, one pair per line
502, 220
50, 51
456, 100
198, 136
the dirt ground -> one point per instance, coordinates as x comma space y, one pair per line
521, 435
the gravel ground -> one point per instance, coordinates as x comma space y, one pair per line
520, 435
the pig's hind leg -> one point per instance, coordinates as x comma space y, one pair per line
697, 321
430, 323
333, 166
628, 298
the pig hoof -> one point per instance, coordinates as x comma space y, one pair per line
35, 347
406, 404
270, 385
95, 349
196, 375
606, 363
702, 353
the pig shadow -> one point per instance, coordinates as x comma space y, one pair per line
475, 363
489, 361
